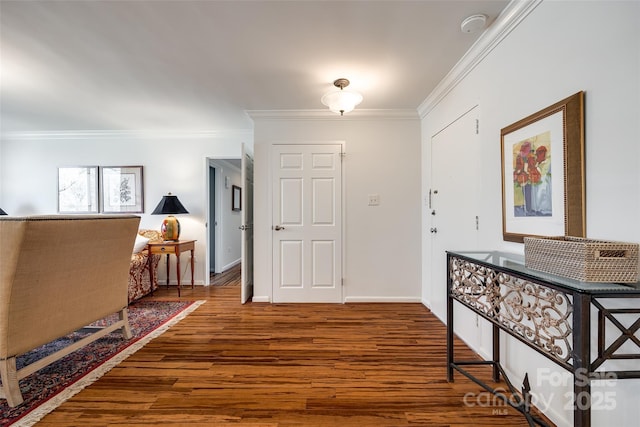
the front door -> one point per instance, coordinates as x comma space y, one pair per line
454, 205
307, 223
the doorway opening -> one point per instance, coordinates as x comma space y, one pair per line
230, 277
223, 222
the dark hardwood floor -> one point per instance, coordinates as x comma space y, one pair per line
264, 364
231, 277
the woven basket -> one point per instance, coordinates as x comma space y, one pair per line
583, 259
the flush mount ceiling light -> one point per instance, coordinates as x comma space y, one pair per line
340, 100
473, 23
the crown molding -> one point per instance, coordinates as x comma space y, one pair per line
358, 114
398, 114
514, 13
124, 134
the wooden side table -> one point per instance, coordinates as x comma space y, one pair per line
168, 248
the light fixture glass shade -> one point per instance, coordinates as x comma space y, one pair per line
341, 101
170, 205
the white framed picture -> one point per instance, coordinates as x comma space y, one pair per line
78, 189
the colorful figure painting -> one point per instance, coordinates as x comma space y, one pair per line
532, 176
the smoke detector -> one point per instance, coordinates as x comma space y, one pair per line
473, 23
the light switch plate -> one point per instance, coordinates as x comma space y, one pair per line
374, 199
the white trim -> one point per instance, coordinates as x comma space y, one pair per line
260, 299
131, 134
183, 283
216, 162
383, 299
231, 264
398, 114
508, 20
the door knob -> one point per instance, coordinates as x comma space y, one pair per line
278, 228
434, 230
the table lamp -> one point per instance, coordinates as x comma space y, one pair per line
170, 205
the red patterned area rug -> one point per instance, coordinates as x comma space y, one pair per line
49, 387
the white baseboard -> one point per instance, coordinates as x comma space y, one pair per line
382, 299
185, 282
231, 264
356, 299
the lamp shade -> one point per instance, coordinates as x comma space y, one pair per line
170, 205
2, 212
342, 100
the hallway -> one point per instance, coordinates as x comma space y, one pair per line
231, 277
262, 364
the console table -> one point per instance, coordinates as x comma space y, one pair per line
171, 247
550, 314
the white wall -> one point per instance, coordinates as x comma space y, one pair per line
562, 47
382, 243
173, 163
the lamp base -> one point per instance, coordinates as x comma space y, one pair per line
170, 228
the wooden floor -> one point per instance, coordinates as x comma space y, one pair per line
264, 364
230, 277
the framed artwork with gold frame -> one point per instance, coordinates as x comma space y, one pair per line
543, 177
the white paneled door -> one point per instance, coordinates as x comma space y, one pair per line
307, 223
246, 274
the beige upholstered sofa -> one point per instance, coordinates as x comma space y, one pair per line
57, 275
139, 282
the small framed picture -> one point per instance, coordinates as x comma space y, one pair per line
78, 189
236, 198
122, 189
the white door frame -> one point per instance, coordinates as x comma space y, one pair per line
343, 150
216, 162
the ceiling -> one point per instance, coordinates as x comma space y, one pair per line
200, 65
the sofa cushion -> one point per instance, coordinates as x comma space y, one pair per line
139, 282
152, 235
140, 243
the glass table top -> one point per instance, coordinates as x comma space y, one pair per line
515, 263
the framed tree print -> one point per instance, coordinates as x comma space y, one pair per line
78, 189
122, 189
543, 182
